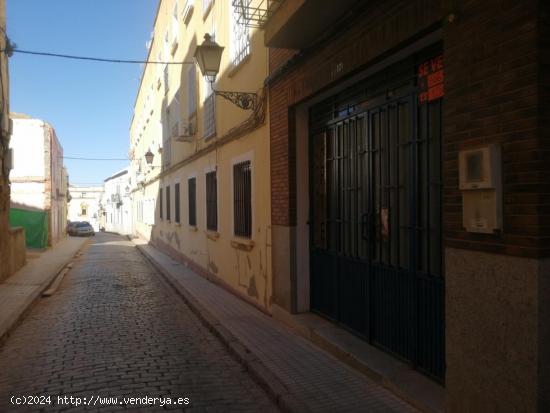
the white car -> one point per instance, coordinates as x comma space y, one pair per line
83, 229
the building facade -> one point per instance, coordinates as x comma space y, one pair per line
409, 189
12, 240
204, 198
86, 205
117, 203
38, 182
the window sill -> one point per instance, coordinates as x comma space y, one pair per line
242, 244
235, 68
193, 228
209, 137
213, 235
177, 224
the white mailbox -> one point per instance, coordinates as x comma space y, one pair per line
480, 179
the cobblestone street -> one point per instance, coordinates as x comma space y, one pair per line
115, 329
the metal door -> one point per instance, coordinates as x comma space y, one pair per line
376, 261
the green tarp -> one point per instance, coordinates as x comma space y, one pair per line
35, 224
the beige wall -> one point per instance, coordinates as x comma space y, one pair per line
244, 265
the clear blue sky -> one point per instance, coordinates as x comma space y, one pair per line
89, 104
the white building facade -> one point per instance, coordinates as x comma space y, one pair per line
117, 204
85, 205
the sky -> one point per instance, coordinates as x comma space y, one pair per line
90, 104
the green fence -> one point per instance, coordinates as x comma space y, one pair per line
35, 224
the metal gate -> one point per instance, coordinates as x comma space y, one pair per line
376, 255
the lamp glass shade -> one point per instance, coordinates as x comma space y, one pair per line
208, 56
149, 157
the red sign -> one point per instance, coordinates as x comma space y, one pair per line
431, 79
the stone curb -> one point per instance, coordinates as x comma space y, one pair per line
33, 298
286, 401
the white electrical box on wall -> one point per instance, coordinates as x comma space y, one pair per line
480, 179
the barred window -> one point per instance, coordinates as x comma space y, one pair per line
242, 199
192, 192
166, 140
177, 202
166, 85
192, 91
240, 37
211, 201
168, 203
209, 114
160, 205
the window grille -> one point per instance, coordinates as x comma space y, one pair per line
211, 201
240, 38
168, 202
160, 205
166, 85
209, 124
166, 141
177, 202
242, 199
192, 91
255, 13
192, 193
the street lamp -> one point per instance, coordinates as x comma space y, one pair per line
149, 157
208, 56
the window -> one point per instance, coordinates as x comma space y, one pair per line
206, 6
177, 202
175, 29
192, 195
209, 121
160, 205
211, 201
242, 199
192, 91
188, 10
166, 86
167, 44
166, 140
168, 203
240, 37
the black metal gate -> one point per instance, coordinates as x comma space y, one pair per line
376, 255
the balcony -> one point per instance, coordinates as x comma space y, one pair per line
296, 24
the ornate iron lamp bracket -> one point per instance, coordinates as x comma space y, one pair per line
244, 100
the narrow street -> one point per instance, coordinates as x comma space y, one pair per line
114, 329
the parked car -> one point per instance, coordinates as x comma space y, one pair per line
71, 227
84, 228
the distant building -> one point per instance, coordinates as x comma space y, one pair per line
38, 182
117, 204
85, 204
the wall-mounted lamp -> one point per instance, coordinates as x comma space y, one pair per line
149, 156
208, 56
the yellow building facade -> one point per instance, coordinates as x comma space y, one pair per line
205, 197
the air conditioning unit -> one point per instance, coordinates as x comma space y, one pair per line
184, 132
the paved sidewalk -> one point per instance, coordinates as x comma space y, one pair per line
301, 376
18, 292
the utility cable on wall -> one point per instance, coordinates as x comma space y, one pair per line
9, 51
97, 159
